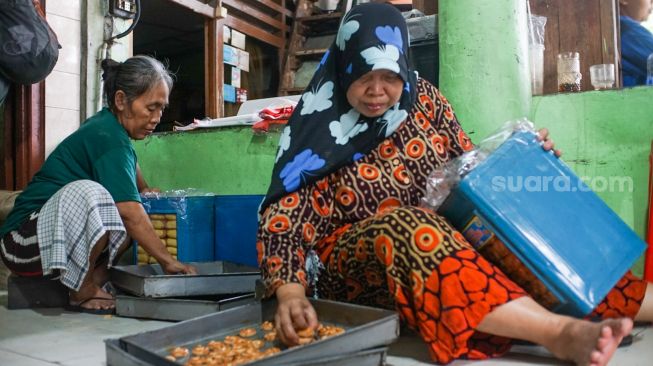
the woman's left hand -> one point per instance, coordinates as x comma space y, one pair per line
543, 135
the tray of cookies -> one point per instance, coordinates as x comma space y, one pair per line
245, 335
117, 355
213, 278
177, 309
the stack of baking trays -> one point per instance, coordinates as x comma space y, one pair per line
145, 291
224, 325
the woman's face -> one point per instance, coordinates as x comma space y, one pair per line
141, 117
375, 92
639, 10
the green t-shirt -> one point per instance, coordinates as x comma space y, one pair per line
100, 150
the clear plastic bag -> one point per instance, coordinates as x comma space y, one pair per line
444, 178
177, 198
536, 27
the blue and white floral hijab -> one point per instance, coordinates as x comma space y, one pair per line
325, 132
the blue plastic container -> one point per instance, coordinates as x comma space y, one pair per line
195, 225
549, 219
236, 223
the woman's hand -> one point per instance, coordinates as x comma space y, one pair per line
177, 267
139, 227
543, 135
294, 312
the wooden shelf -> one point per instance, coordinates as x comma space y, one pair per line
292, 90
311, 52
318, 17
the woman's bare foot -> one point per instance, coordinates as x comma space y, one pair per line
96, 295
590, 344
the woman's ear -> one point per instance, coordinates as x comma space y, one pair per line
120, 100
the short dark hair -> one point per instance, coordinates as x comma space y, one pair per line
135, 76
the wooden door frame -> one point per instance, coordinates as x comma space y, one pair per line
213, 37
213, 80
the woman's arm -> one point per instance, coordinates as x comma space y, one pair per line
141, 183
288, 230
140, 228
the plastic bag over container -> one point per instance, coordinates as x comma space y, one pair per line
525, 210
177, 198
184, 220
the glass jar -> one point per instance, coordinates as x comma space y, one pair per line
569, 75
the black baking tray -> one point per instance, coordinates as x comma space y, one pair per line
177, 309
213, 278
366, 328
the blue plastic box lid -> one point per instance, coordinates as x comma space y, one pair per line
549, 218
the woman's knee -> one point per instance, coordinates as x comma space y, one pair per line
416, 229
413, 216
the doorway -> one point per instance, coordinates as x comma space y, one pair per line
175, 35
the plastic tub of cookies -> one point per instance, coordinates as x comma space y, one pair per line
213, 278
177, 309
184, 222
245, 335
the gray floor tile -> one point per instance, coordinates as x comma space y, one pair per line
10, 358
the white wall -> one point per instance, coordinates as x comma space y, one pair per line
71, 90
62, 98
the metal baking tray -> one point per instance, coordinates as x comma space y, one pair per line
371, 357
117, 355
366, 328
173, 309
213, 278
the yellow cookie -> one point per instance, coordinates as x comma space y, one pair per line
158, 224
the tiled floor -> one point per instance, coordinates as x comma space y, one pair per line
46, 337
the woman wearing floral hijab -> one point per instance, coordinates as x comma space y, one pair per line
344, 198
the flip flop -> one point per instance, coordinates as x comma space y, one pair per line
81, 309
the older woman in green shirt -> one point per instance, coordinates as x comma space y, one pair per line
83, 206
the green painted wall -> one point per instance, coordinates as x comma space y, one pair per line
483, 62
224, 161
